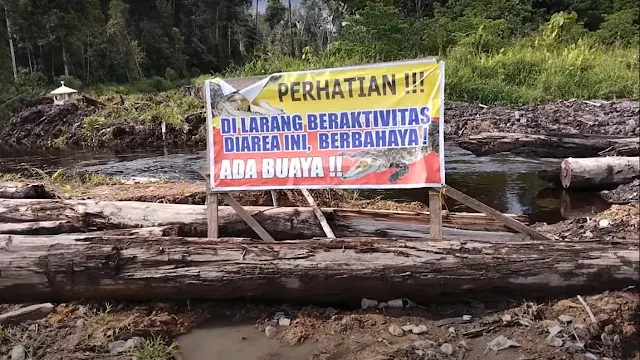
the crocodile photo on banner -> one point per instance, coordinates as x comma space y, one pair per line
362, 127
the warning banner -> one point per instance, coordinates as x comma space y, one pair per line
375, 126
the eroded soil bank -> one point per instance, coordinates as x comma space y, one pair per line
73, 126
619, 118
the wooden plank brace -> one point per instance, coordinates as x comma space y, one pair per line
319, 214
489, 211
255, 226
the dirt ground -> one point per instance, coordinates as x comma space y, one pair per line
93, 330
618, 223
66, 127
44, 125
623, 194
194, 193
618, 117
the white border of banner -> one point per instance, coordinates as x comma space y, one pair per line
211, 154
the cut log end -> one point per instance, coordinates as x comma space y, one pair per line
565, 173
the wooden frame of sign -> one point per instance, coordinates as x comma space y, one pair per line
212, 213
435, 201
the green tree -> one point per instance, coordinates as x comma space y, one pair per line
621, 27
129, 52
379, 33
275, 13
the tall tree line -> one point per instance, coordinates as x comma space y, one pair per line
101, 41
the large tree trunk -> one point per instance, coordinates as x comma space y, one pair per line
13, 53
285, 223
65, 61
599, 173
551, 146
85, 266
15, 190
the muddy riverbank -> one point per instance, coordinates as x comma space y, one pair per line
79, 125
615, 118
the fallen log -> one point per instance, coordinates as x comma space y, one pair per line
549, 146
17, 190
93, 102
84, 266
630, 149
600, 173
283, 223
32, 312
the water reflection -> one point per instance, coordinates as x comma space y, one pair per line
504, 182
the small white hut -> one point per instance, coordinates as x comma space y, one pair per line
63, 94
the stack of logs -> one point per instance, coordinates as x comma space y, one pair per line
60, 250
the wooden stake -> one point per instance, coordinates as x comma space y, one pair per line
212, 198
212, 214
586, 307
253, 224
485, 209
435, 215
319, 214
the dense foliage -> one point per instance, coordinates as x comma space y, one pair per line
496, 50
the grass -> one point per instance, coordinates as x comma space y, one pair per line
169, 106
529, 73
156, 348
5, 335
58, 180
521, 73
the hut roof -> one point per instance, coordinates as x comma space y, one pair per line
63, 90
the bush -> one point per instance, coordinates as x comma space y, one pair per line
195, 72
171, 74
620, 28
69, 81
146, 86
15, 96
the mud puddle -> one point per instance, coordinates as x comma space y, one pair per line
223, 341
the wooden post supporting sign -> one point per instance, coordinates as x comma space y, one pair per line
435, 214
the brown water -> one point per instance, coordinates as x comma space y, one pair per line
220, 341
505, 182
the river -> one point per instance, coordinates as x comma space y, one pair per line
505, 182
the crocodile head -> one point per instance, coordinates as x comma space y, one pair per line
363, 167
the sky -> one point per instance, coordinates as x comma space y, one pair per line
262, 4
